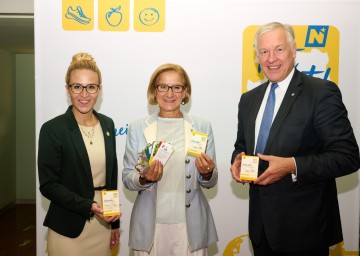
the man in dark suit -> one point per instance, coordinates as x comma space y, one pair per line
293, 208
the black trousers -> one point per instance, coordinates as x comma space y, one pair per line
263, 249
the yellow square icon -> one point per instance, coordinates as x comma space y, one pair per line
149, 15
114, 15
78, 14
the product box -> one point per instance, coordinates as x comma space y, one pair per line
110, 202
249, 167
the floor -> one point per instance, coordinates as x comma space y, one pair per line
18, 230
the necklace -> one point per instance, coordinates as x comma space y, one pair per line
88, 134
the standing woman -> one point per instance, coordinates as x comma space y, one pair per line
77, 159
171, 215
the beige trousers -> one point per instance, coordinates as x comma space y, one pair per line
171, 240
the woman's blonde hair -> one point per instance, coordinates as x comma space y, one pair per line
82, 60
163, 68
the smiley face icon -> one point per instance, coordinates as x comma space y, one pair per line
149, 16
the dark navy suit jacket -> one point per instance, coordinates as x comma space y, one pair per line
312, 126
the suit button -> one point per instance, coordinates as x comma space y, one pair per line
187, 205
188, 176
187, 161
188, 190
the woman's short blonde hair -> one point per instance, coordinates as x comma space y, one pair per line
82, 60
163, 68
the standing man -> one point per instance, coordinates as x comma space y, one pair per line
293, 208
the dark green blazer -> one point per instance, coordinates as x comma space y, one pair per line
65, 174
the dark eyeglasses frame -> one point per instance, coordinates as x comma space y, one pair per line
86, 88
170, 87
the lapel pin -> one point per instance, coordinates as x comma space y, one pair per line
108, 134
293, 94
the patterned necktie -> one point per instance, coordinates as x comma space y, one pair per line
266, 121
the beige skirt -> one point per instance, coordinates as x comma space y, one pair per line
94, 240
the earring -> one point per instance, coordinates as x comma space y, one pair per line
183, 102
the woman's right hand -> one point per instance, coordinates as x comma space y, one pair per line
96, 209
155, 171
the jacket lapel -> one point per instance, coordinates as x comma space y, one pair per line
151, 128
290, 97
108, 134
78, 143
253, 112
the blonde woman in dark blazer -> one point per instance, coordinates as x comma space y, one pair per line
77, 159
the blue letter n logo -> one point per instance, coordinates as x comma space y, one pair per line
316, 36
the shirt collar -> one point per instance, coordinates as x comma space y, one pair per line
284, 84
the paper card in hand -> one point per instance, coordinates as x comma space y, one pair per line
148, 150
143, 160
156, 146
163, 153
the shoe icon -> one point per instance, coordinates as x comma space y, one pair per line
77, 14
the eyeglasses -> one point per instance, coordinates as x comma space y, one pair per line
177, 88
78, 88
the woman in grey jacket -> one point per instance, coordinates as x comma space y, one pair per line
171, 215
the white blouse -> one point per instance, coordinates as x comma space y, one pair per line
170, 203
